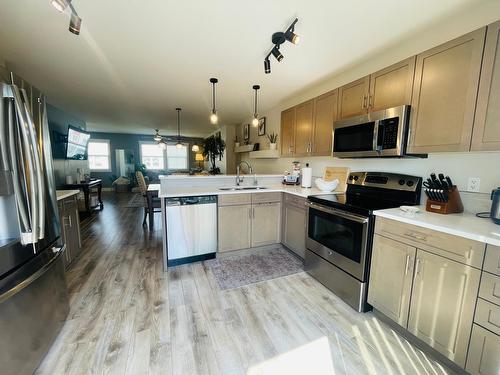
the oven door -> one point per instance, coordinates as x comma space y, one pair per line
339, 237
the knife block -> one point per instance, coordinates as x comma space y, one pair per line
453, 206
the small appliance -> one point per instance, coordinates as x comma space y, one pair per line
495, 205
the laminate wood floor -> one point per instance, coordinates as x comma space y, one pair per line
129, 317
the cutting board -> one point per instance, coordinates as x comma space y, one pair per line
340, 173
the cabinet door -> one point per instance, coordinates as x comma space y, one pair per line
74, 229
392, 86
288, 132
484, 352
391, 277
325, 114
444, 95
234, 227
353, 98
442, 304
486, 133
303, 128
294, 229
266, 222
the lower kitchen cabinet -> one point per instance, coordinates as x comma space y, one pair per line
293, 234
442, 304
234, 227
391, 277
70, 228
266, 222
484, 352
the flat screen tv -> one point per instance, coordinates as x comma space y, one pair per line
78, 139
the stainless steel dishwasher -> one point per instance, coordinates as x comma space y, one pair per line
191, 228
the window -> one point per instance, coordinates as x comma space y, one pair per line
177, 158
157, 158
99, 155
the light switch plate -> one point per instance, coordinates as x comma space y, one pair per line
473, 184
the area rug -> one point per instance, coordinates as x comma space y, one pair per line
237, 271
137, 200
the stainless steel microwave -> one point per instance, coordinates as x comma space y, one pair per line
375, 134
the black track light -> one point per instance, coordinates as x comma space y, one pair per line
267, 66
75, 24
276, 53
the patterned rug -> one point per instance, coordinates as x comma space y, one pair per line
237, 271
137, 200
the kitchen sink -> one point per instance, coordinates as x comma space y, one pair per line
232, 188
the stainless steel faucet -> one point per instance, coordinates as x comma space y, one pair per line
250, 170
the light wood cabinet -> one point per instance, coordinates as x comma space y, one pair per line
444, 95
392, 86
288, 132
391, 276
303, 128
234, 227
486, 133
442, 304
353, 98
484, 352
325, 114
294, 225
266, 222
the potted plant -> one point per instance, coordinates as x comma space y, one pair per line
273, 138
214, 147
236, 142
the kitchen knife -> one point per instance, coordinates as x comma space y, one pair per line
443, 182
448, 180
436, 182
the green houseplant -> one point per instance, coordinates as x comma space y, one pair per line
273, 139
214, 147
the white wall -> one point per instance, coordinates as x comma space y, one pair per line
459, 166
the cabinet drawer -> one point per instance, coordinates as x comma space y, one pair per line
488, 315
234, 199
266, 197
490, 288
483, 358
452, 247
69, 204
492, 259
295, 200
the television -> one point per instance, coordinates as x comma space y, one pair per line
76, 147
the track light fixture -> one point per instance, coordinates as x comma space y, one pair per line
75, 22
213, 116
179, 143
278, 39
255, 120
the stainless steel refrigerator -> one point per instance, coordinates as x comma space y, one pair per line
33, 291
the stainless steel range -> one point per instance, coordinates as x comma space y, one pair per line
340, 230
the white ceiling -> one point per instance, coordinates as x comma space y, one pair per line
136, 60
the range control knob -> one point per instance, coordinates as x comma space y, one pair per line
401, 182
356, 178
410, 183
351, 177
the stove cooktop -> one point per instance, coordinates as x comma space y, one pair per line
353, 203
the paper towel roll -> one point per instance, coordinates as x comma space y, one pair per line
306, 177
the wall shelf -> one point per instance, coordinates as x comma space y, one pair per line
244, 148
264, 154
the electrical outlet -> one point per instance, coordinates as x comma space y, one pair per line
473, 184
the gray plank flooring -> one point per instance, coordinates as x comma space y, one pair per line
129, 317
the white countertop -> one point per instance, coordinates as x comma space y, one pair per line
183, 191
63, 194
213, 176
465, 225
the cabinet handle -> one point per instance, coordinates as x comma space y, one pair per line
249, 213
417, 267
370, 101
416, 236
253, 212
407, 263
70, 222
364, 101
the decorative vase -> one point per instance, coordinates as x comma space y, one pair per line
273, 146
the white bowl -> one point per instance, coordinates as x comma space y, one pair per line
326, 185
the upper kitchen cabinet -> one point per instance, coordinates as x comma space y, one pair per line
486, 134
304, 113
325, 114
353, 98
444, 95
392, 86
288, 132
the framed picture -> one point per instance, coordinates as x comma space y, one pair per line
246, 132
262, 126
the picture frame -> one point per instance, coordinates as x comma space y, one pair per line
262, 126
246, 132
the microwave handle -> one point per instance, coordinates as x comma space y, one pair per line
376, 146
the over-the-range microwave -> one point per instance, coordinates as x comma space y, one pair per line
376, 134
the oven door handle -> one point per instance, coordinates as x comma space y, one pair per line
343, 214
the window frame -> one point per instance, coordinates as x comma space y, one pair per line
187, 158
165, 156
96, 140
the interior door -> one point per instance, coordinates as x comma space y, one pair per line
391, 276
288, 132
442, 304
325, 114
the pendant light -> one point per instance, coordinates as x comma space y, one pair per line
179, 143
213, 116
255, 121
195, 147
